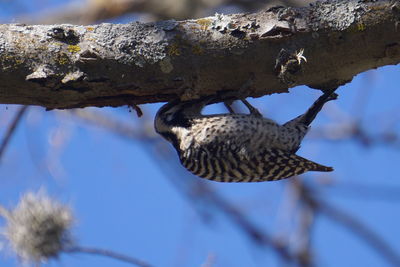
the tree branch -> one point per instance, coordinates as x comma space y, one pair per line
66, 66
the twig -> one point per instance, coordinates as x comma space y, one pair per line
108, 253
138, 110
11, 129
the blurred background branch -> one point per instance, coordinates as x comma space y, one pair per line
91, 11
11, 129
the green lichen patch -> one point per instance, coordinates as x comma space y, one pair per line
73, 48
174, 50
204, 23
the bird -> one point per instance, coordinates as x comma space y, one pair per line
234, 147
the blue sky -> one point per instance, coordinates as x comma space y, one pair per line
124, 201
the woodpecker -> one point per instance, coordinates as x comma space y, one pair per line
237, 147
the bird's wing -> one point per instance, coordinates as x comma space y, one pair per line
227, 165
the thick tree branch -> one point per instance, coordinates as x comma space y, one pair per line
68, 66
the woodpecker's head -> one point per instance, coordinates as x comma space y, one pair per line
175, 117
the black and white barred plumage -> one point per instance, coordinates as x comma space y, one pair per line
237, 147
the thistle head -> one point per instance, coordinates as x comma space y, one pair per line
38, 228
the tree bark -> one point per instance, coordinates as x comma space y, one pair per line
322, 45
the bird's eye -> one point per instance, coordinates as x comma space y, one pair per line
169, 117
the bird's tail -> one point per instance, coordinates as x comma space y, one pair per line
319, 168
